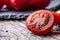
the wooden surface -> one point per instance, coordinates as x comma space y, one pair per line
16, 30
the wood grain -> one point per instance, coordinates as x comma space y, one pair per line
16, 30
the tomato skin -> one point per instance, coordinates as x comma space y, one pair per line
20, 4
1, 3
42, 32
46, 29
8, 4
57, 18
39, 4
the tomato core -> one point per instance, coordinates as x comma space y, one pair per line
43, 21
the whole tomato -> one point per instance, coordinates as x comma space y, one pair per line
40, 22
1, 3
57, 18
39, 4
20, 4
8, 4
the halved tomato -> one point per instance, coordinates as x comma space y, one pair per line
40, 22
57, 18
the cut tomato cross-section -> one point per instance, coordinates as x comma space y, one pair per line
40, 22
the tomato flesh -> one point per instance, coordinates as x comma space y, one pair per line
40, 22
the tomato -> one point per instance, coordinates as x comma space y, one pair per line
39, 4
57, 18
1, 3
20, 4
40, 22
8, 4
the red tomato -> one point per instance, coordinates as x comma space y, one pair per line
57, 18
1, 3
40, 22
20, 4
8, 4
39, 4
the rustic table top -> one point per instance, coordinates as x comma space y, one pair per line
16, 30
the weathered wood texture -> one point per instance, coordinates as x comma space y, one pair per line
16, 30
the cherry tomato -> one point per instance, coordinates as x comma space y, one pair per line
57, 18
39, 4
8, 4
1, 3
20, 4
40, 22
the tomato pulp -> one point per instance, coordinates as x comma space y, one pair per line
40, 22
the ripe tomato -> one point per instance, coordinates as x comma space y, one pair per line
20, 4
8, 4
1, 3
57, 18
40, 22
39, 4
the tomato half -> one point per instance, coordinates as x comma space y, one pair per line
57, 18
40, 22
20, 4
1, 3
8, 4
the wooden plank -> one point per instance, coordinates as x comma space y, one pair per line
16, 30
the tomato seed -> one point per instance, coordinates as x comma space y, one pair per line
47, 17
32, 19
